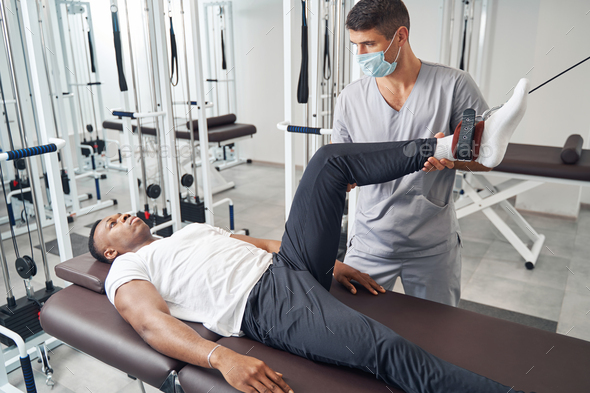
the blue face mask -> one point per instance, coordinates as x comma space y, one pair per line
374, 64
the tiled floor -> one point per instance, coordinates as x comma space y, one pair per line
493, 273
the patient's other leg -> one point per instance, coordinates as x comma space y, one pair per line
289, 311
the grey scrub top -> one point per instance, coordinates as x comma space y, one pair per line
413, 216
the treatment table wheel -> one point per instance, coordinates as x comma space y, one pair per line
529, 265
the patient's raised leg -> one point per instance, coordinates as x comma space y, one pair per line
312, 231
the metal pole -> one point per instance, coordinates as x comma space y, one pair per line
86, 53
482, 44
75, 78
189, 106
72, 105
203, 129
136, 101
337, 45
154, 100
97, 78
48, 76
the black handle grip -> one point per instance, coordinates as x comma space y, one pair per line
303, 84
118, 52
223, 62
174, 55
91, 49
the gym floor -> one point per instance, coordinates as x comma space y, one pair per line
553, 296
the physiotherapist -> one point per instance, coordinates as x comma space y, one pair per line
407, 228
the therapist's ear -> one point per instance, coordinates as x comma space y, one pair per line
402, 35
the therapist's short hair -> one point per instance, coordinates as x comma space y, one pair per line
387, 16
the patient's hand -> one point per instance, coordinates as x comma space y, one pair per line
248, 374
344, 274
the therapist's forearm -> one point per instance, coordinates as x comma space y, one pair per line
471, 166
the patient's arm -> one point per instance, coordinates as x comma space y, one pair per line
140, 304
266, 244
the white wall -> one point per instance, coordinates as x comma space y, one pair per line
539, 34
259, 73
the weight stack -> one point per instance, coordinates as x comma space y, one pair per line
160, 220
192, 212
15, 185
154, 220
24, 317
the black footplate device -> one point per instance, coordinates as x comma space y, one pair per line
465, 143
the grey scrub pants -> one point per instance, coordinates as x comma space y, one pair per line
434, 277
290, 307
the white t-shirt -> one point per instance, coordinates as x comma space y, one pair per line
203, 275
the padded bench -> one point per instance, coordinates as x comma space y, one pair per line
220, 129
543, 161
515, 355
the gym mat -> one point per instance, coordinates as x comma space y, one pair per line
79, 245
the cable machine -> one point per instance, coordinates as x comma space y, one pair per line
219, 44
19, 322
14, 178
326, 67
464, 36
86, 105
192, 208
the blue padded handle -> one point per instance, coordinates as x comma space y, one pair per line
231, 217
31, 151
123, 114
304, 130
11, 214
28, 374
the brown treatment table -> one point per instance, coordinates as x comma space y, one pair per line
515, 355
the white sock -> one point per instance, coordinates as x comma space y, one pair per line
444, 148
500, 126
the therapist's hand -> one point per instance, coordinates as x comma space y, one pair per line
435, 165
344, 274
350, 187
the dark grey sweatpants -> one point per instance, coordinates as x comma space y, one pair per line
290, 308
